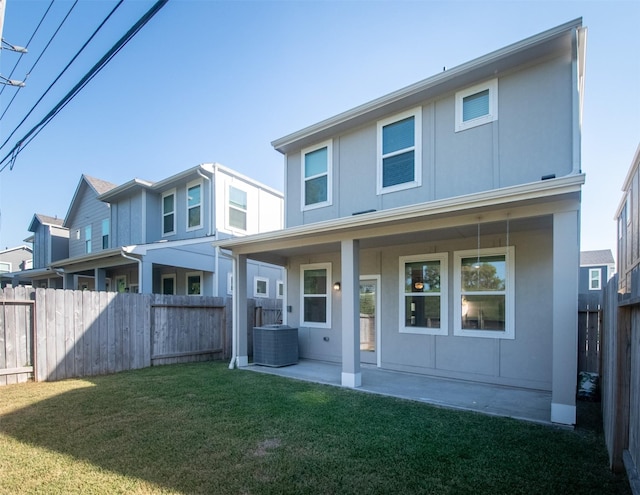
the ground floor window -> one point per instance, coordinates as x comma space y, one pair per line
316, 301
169, 284
483, 293
194, 283
260, 287
423, 294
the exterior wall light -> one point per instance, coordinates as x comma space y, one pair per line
336, 286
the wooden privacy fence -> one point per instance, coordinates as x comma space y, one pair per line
589, 335
51, 334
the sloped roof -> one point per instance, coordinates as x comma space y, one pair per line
44, 220
599, 257
99, 186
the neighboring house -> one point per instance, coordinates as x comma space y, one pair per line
628, 218
596, 268
155, 237
448, 214
13, 260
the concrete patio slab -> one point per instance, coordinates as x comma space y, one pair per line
518, 403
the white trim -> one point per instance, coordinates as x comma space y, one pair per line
416, 113
256, 280
280, 283
329, 201
172, 192
186, 280
6, 263
230, 283
233, 228
378, 317
443, 329
599, 278
327, 295
492, 86
563, 414
134, 288
192, 184
509, 293
167, 276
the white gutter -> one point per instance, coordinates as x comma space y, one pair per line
139, 261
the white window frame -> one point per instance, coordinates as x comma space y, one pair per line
172, 192
509, 293
134, 289
443, 258
230, 283
329, 201
327, 295
597, 271
88, 233
190, 185
416, 113
186, 282
168, 276
6, 264
256, 281
492, 86
279, 285
230, 206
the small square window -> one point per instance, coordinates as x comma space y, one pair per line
260, 287
476, 105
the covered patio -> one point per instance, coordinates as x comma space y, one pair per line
495, 400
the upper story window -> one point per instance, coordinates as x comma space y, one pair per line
316, 296
595, 279
87, 239
237, 208
5, 267
484, 294
423, 294
400, 152
316, 176
194, 206
477, 105
169, 213
105, 233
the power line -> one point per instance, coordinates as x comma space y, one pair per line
10, 158
61, 73
27, 46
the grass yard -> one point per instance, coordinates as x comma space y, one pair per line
200, 428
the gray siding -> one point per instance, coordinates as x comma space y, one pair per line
41, 246
531, 138
88, 210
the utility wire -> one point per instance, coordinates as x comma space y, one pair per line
10, 158
61, 73
27, 46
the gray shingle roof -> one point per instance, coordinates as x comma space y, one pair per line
101, 186
600, 257
47, 220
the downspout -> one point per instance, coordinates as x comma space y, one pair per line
139, 261
234, 316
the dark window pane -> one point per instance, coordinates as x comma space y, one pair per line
315, 281
422, 276
315, 309
488, 273
194, 216
398, 169
398, 136
483, 312
168, 224
475, 106
167, 204
315, 190
421, 311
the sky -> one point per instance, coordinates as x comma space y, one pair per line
218, 81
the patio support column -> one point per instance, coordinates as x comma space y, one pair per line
240, 310
145, 277
69, 281
566, 261
100, 275
351, 375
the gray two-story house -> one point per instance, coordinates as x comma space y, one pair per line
155, 237
447, 213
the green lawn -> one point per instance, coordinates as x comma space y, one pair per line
201, 428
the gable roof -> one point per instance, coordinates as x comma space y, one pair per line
22, 248
44, 220
99, 186
553, 41
599, 257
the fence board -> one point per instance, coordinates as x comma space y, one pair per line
66, 334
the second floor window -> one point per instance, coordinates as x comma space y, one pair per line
316, 170
87, 239
194, 206
400, 152
476, 105
237, 208
168, 213
5, 267
595, 279
105, 233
